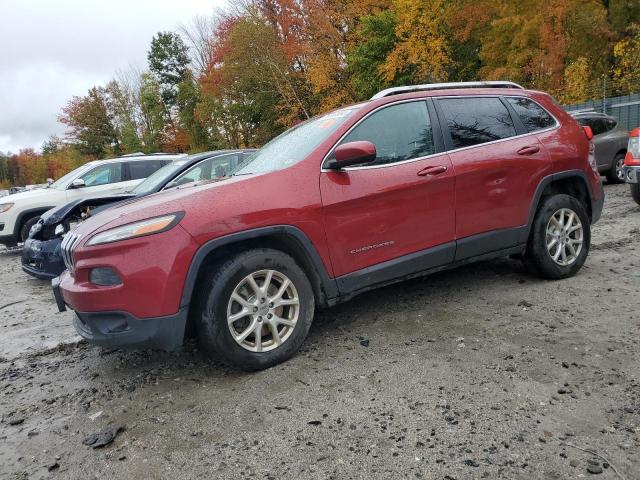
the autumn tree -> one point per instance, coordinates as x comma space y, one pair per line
422, 46
626, 70
90, 124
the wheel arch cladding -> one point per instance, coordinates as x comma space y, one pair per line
572, 182
285, 238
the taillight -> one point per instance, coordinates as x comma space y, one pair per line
633, 149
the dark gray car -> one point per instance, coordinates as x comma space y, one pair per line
610, 139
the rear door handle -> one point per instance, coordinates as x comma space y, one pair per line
433, 170
529, 150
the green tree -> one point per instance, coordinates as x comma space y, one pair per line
375, 39
51, 145
122, 107
151, 114
168, 59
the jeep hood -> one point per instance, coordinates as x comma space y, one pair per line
31, 195
142, 208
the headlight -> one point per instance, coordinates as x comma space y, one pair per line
5, 207
137, 229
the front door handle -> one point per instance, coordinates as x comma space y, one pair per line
433, 170
529, 150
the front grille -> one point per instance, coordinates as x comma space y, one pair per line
69, 242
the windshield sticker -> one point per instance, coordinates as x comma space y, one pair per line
327, 123
340, 113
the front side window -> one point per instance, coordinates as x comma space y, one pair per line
473, 121
399, 132
64, 181
533, 116
103, 175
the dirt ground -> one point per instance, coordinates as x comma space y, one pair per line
480, 372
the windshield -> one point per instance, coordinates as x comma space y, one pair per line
157, 179
294, 144
63, 181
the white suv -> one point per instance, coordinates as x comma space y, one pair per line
20, 211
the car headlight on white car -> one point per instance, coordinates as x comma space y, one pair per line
5, 207
142, 228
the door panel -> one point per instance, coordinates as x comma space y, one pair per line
374, 215
495, 184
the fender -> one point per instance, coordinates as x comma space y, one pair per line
538, 195
327, 285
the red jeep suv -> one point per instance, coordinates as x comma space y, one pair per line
416, 180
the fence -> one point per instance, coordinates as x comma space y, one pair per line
625, 109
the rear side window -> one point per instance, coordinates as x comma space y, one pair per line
533, 116
473, 121
142, 169
399, 132
597, 124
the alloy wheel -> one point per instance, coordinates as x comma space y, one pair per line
564, 237
619, 170
263, 310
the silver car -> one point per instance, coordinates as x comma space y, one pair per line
610, 139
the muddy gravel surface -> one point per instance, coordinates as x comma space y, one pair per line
480, 372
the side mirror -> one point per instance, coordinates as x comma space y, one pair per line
49, 181
352, 153
77, 183
588, 132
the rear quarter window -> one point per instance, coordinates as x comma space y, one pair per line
533, 116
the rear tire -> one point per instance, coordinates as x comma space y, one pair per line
560, 238
635, 192
614, 174
26, 228
274, 318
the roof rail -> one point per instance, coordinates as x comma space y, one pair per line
444, 86
142, 154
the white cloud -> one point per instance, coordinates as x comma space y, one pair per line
53, 50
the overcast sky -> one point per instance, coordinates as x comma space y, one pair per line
51, 50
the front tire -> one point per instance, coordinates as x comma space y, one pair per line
26, 228
256, 309
635, 192
560, 238
614, 174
